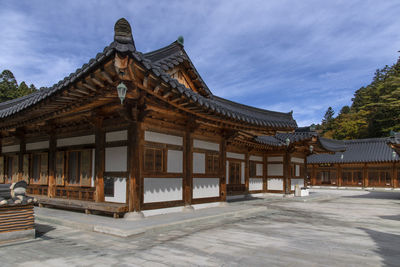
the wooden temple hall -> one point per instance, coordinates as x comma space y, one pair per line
130, 131
365, 163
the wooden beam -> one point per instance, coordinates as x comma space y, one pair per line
96, 81
188, 167
135, 165
100, 140
90, 87
107, 77
223, 168
51, 192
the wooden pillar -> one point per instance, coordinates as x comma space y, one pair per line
135, 145
265, 180
22, 150
100, 140
305, 175
223, 169
339, 175
365, 175
286, 172
246, 171
393, 174
51, 192
188, 168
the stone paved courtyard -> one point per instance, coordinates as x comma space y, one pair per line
348, 228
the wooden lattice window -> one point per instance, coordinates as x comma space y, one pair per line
212, 163
11, 169
80, 167
39, 168
252, 169
60, 168
153, 159
2, 170
109, 186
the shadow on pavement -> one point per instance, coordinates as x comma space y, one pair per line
42, 229
391, 217
387, 246
378, 195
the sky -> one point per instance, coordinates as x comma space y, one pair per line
279, 55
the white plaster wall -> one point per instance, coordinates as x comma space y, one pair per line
275, 169
235, 155
297, 171
294, 182
8, 149
163, 138
37, 145
275, 184
297, 160
199, 163
227, 172
175, 161
116, 159
255, 184
162, 189
256, 158
119, 191
259, 169
117, 136
79, 140
275, 159
242, 173
205, 145
205, 187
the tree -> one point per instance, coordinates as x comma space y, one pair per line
9, 88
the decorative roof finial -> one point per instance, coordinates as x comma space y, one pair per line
180, 40
123, 32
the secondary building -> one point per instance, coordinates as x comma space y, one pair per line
131, 131
365, 163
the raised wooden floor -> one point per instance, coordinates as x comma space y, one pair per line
88, 206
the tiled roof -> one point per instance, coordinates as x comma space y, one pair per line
279, 140
155, 62
359, 151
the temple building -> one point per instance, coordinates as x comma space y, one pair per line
366, 163
131, 131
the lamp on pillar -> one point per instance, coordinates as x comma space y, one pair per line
287, 142
394, 154
311, 148
121, 88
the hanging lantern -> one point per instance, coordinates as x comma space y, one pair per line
121, 88
393, 154
287, 142
342, 156
311, 148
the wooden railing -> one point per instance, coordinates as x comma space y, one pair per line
79, 193
69, 192
35, 189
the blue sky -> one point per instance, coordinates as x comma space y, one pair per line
279, 55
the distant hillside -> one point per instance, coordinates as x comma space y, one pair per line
374, 112
10, 89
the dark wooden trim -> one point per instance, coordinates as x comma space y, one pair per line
188, 167
223, 169
52, 165
100, 140
116, 174
117, 143
206, 200
135, 134
162, 205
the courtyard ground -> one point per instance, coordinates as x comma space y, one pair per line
338, 228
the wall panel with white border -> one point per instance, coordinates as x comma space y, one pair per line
297, 160
297, 170
9, 149
205, 145
205, 187
275, 169
37, 145
255, 158
116, 159
119, 191
78, 140
275, 158
162, 189
235, 155
259, 169
117, 136
227, 172
163, 138
243, 177
294, 182
199, 162
275, 184
255, 184
174, 161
